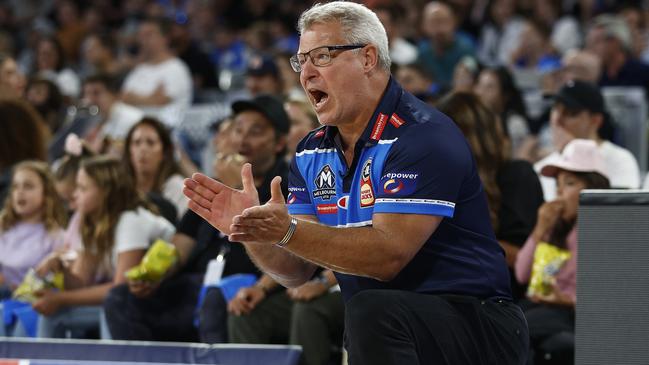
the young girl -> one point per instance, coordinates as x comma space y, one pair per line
116, 230
31, 222
551, 317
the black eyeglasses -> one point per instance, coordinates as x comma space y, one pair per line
320, 56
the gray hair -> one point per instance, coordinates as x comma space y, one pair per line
615, 27
359, 24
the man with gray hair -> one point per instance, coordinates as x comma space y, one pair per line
609, 38
386, 195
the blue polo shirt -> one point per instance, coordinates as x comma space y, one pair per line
411, 159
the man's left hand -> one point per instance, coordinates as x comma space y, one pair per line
308, 291
265, 224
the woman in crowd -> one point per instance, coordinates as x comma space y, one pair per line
513, 189
116, 230
149, 159
50, 63
498, 92
12, 81
551, 317
303, 121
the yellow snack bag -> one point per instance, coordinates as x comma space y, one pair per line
32, 283
156, 262
548, 260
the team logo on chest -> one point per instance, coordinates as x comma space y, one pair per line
325, 183
367, 192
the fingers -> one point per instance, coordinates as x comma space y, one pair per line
276, 195
247, 179
202, 212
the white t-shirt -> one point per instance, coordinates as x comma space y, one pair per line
172, 190
120, 120
621, 166
136, 230
176, 79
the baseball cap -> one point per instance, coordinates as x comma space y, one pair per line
271, 107
579, 155
580, 95
262, 66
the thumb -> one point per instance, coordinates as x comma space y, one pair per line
276, 195
247, 179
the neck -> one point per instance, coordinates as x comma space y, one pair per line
159, 57
145, 181
36, 217
614, 64
351, 132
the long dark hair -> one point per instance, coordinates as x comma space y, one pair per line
168, 166
591, 180
511, 96
487, 139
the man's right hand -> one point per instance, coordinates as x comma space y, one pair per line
218, 203
246, 300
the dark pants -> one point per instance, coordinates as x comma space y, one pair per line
268, 322
399, 327
213, 327
167, 315
552, 334
317, 326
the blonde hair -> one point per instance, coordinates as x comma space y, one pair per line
54, 215
118, 194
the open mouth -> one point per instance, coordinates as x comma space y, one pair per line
319, 97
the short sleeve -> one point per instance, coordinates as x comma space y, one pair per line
423, 172
298, 200
136, 230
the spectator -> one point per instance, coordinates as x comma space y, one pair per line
149, 159
498, 92
565, 33
610, 39
500, 35
443, 48
580, 166
100, 56
512, 187
402, 52
23, 137
263, 77
116, 117
202, 70
12, 81
534, 48
581, 65
45, 96
50, 63
117, 228
579, 112
31, 222
290, 80
161, 83
303, 120
71, 29
417, 80
310, 316
465, 75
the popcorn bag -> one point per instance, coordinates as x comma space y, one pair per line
548, 260
32, 283
160, 257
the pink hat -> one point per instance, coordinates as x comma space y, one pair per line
580, 155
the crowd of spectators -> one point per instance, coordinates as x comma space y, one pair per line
98, 103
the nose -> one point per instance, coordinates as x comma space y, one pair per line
308, 70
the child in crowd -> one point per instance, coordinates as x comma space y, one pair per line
551, 316
31, 222
31, 227
116, 229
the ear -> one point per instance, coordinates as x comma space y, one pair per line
371, 57
597, 120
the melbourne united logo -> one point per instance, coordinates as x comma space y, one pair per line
325, 184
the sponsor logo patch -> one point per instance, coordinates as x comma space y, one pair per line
399, 183
396, 121
325, 183
327, 208
366, 189
379, 125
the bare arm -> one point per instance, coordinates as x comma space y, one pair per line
157, 98
379, 252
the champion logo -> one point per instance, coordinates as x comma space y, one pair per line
396, 121
393, 186
379, 125
342, 202
291, 198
